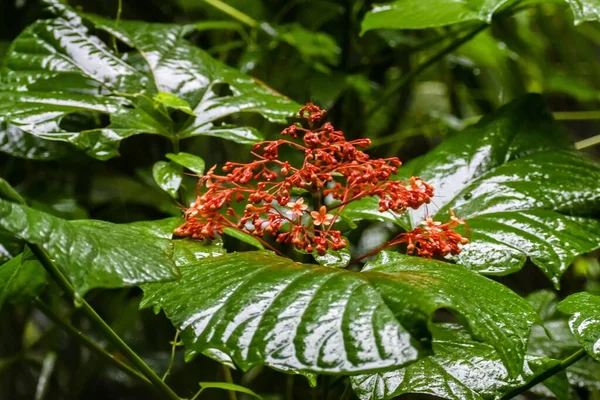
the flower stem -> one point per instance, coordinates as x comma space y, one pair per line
101, 325
87, 342
564, 364
232, 12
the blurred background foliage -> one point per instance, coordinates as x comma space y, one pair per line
308, 50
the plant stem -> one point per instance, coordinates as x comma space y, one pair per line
86, 341
576, 115
589, 142
417, 71
101, 325
232, 12
229, 379
117, 20
175, 144
567, 362
173, 348
316, 196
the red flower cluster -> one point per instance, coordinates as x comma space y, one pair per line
432, 238
333, 174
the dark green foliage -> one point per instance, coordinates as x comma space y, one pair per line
107, 122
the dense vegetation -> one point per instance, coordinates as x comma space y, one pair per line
405, 199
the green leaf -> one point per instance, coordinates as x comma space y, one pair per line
9, 246
9, 193
17, 143
193, 75
171, 101
554, 339
92, 253
414, 14
58, 79
314, 47
585, 10
334, 258
185, 251
521, 190
228, 386
21, 279
168, 176
461, 369
189, 161
244, 237
259, 308
584, 309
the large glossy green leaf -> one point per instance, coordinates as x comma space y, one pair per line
554, 339
518, 185
17, 143
585, 10
9, 246
58, 68
460, 369
93, 253
584, 309
21, 279
415, 14
263, 309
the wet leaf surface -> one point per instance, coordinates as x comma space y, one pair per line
21, 279
58, 67
168, 176
93, 253
414, 14
189, 161
584, 309
263, 309
554, 339
461, 369
521, 190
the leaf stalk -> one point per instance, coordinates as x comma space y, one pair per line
232, 12
86, 341
564, 364
102, 326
